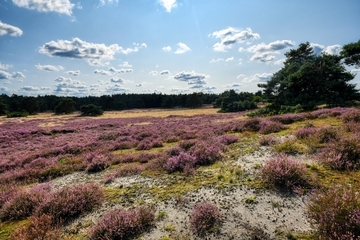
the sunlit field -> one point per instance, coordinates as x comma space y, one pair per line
180, 174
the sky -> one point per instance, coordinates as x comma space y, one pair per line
106, 47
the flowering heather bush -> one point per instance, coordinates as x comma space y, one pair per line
336, 212
145, 144
70, 202
96, 162
284, 172
252, 125
227, 139
145, 157
305, 132
178, 163
288, 118
187, 144
206, 153
326, 134
24, 203
123, 224
268, 140
352, 115
353, 127
39, 228
267, 127
7, 192
205, 217
342, 154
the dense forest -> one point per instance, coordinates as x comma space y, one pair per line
306, 81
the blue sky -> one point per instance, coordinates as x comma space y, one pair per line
98, 47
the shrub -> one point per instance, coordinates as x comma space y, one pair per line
268, 140
267, 127
252, 125
351, 116
284, 172
123, 224
228, 139
205, 153
326, 134
17, 114
178, 163
342, 154
96, 162
305, 132
24, 203
39, 228
70, 202
336, 212
205, 217
91, 110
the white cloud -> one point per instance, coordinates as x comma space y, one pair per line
153, 73
192, 78
74, 73
333, 50
116, 88
139, 85
166, 49
29, 88
258, 77
49, 68
95, 54
164, 72
7, 75
168, 4
5, 66
122, 70
102, 72
182, 48
10, 30
230, 59
118, 80
265, 52
103, 2
240, 76
125, 65
231, 36
67, 86
59, 6
216, 60
317, 48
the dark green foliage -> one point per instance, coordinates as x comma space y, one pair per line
17, 114
65, 106
351, 53
309, 80
30, 105
91, 110
3, 107
230, 101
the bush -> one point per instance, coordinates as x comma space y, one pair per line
96, 162
351, 116
205, 153
326, 134
178, 163
342, 154
268, 140
123, 224
91, 110
304, 132
267, 127
17, 114
70, 202
39, 228
228, 139
24, 203
205, 217
336, 212
284, 172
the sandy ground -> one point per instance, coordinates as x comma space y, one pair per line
268, 215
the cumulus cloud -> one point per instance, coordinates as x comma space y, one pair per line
166, 49
74, 73
258, 77
139, 85
117, 88
125, 65
103, 2
230, 36
192, 78
216, 60
122, 70
182, 48
49, 68
30, 88
59, 6
168, 4
5, 66
102, 72
69, 86
7, 75
95, 54
317, 48
118, 80
333, 50
164, 72
10, 30
153, 73
265, 52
